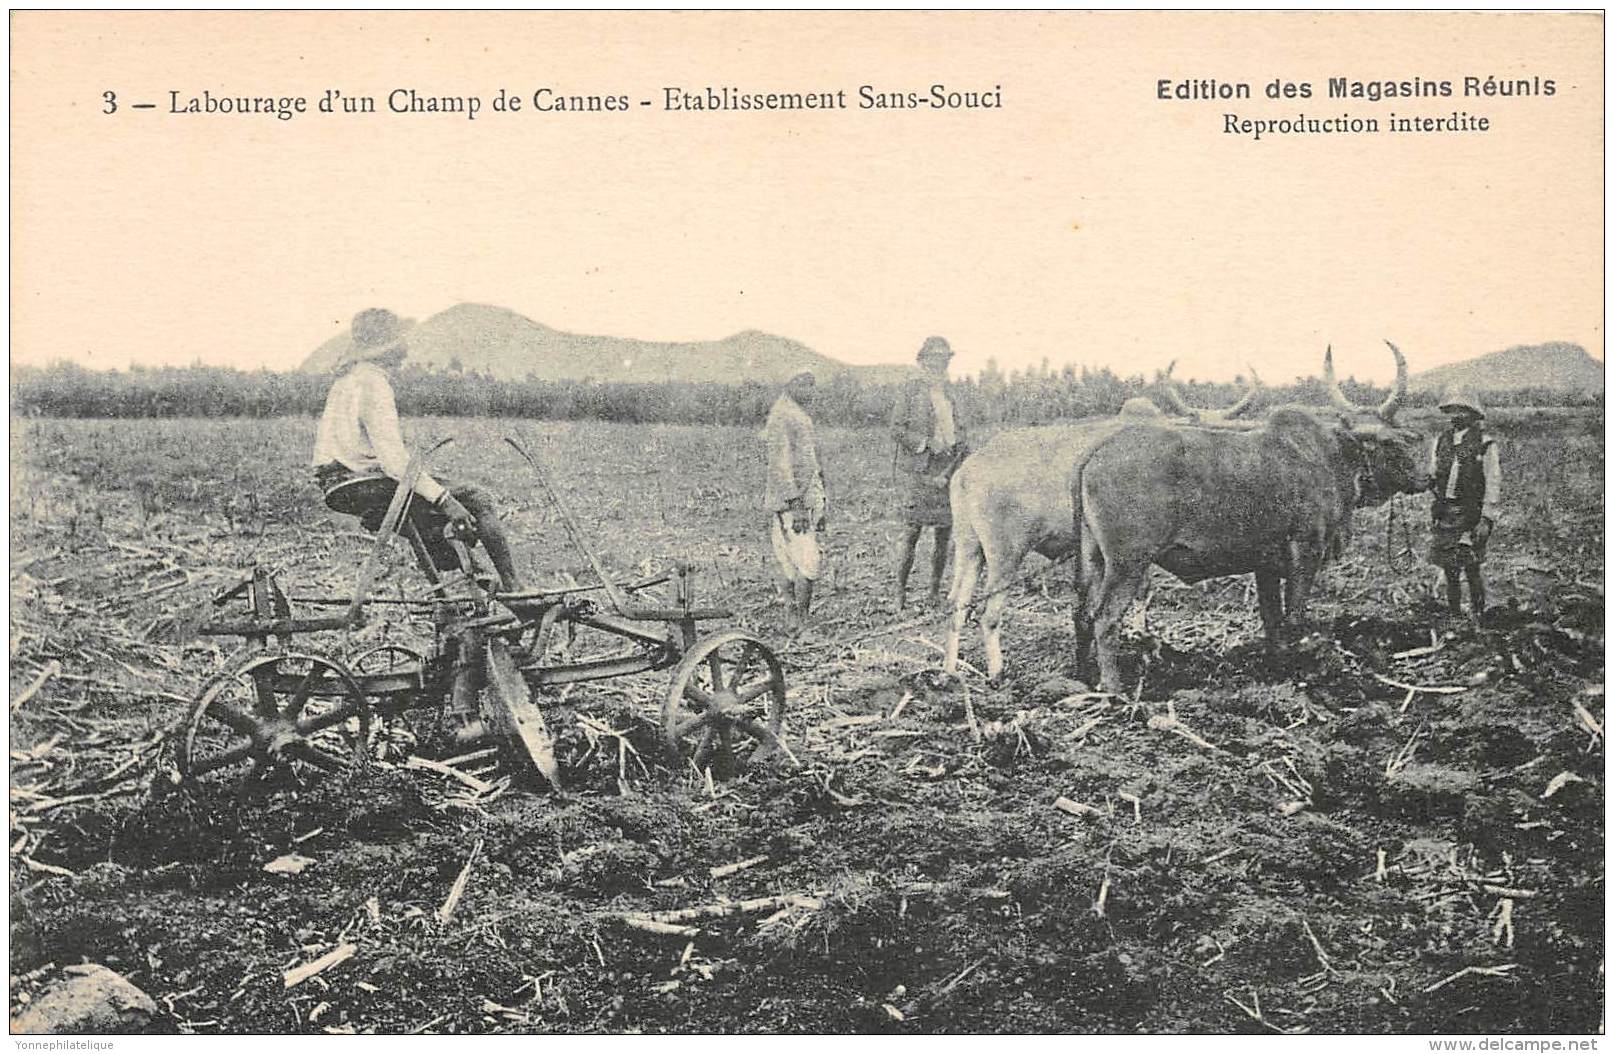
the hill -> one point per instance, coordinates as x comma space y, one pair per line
510, 346
1554, 365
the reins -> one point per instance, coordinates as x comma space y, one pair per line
1391, 553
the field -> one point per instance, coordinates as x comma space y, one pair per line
1252, 844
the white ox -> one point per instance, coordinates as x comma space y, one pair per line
1013, 497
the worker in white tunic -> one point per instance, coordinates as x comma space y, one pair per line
795, 498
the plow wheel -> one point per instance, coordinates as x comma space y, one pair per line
276, 710
386, 658
726, 702
392, 735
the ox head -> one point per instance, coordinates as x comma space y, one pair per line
1141, 408
1390, 455
1174, 399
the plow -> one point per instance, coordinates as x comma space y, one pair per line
281, 703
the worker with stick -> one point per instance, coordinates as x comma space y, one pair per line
930, 446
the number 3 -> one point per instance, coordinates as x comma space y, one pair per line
111, 98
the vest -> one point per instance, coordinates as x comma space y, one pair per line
1470, 458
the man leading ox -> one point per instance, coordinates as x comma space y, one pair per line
1466, 479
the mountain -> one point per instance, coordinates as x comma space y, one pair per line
509, 346
1554, 365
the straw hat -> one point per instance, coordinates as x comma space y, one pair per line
935, 346
375, 332
1462, 398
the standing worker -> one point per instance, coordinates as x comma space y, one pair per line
1466, 478
795, 496
930, 444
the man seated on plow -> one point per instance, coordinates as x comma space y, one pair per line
359, 437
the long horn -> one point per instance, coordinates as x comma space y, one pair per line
1245, 400
1168, 391
1393, 402
1337, 397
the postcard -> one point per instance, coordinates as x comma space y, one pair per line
902, 522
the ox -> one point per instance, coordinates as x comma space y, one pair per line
1013, 497
1202, 503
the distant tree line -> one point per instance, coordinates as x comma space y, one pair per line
1029, 396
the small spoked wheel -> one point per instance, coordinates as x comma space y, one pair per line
392, 673
726, 703
272, 710
386, 659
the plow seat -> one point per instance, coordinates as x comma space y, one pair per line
367, 497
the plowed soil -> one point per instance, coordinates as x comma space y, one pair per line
1252, 843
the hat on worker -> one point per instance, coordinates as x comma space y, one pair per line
935, 346
1462, 399
374, 332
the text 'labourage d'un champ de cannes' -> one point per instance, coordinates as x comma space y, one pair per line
550, 100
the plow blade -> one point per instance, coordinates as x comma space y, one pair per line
508, 710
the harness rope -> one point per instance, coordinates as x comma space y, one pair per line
1403, 558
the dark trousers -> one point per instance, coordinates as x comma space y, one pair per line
430, 522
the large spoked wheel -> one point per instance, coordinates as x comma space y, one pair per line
726, 703
289, 711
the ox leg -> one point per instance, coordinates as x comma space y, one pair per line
1003, 559
965, 571
997, 598
1304, 561
1269, 596
1088, 576
1117, 594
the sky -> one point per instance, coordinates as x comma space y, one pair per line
1084, 220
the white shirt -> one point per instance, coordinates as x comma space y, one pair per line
359, 428
946, 434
